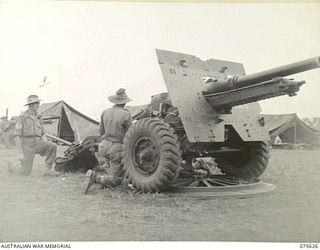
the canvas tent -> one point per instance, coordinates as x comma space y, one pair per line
65, 122
291, 129
317, 125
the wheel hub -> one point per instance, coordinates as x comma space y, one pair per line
145, 156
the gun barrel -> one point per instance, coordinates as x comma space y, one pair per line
282, 71
58, 139
247, 80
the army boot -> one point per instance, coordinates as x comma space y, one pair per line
50, 171
89, 181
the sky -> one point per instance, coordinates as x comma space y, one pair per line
87, 50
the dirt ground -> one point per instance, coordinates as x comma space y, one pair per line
41, 208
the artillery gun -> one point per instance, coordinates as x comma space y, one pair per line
201, 117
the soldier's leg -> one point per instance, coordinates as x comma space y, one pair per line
48, 149
28, 147
103, 164
116, 168
102, 155
113, 156
27, 163
100, 158
115, 172
98, 174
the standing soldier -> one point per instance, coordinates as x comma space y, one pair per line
29, 138
8, 132
114, 124
3, 124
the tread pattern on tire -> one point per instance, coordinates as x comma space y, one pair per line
253, 168
169, 160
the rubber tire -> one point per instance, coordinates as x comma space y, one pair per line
168, 146
253, 167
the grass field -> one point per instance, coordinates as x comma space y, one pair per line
41, 208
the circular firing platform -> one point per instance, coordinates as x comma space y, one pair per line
220, 186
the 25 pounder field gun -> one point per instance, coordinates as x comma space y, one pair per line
203, 118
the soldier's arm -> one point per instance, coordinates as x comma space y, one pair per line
127, 122
43, 134
17, 140
102, 130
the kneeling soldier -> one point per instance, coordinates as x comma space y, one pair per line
115, 122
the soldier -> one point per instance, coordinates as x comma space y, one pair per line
3, 124
29, 138
115, 122
8, 131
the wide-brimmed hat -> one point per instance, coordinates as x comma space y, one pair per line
32, 99
120, 97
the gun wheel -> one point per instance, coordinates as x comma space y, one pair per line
152, 155
249, 163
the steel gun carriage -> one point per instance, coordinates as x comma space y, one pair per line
210, 111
